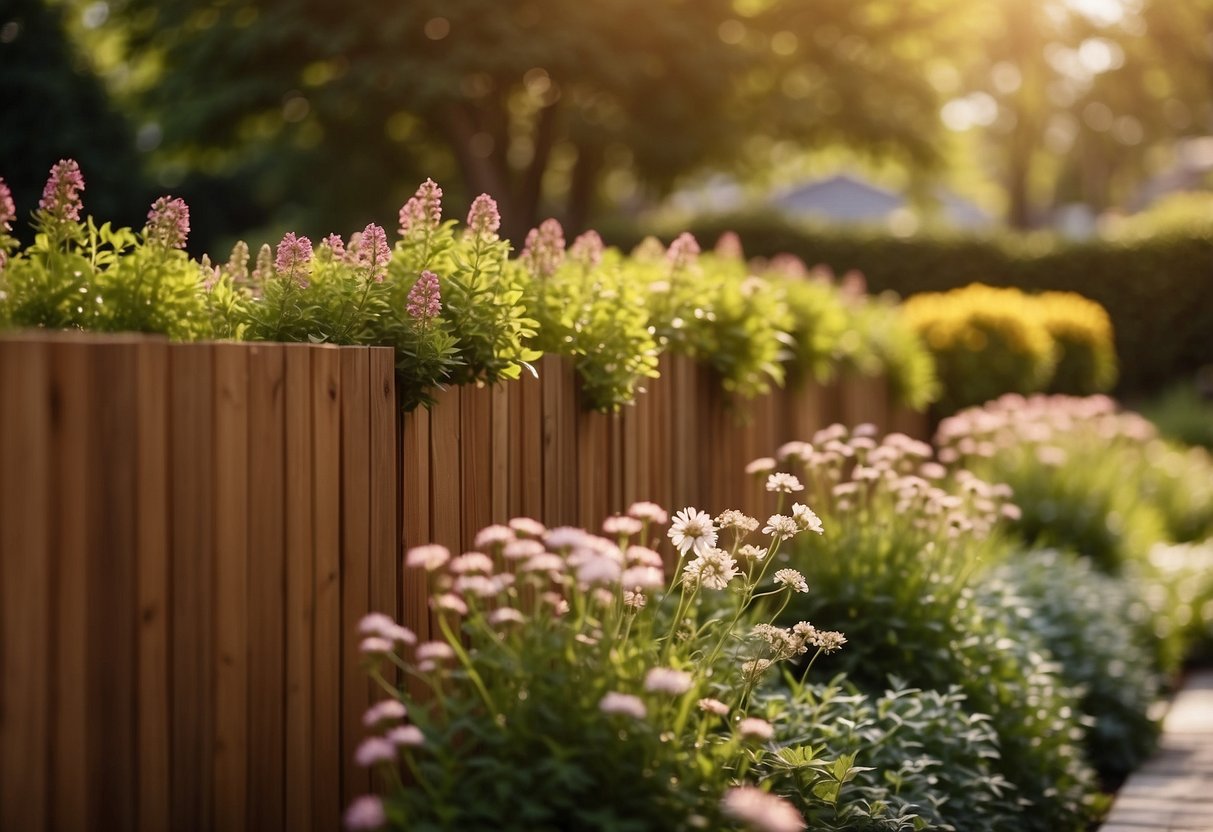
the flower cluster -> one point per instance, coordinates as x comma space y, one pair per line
544, 249
425, 298
539, 623
168, 222
61, 194
293, 259
372, 252
423, 211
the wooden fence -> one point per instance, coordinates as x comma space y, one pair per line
189, 534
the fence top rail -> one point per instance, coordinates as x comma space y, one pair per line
68, 336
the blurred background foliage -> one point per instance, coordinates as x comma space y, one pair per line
267, 114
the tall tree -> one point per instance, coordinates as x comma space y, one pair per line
536, 101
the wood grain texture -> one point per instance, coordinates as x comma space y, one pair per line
232, 598
384, 536
192, 539
504, 448
476, 461
355, 559
300, 582
70, 427
112, 608
153, 585
326, 554
25, 584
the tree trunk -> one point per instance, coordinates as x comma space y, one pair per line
583, 188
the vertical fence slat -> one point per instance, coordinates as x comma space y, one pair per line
384, 550
530, 433
300, 579
70, 423
355, 558
502, 395
154, 698
24, 585
111, 576
326, 626
232, 597
266, 584
446, 474
475, 453
191, 488
415, 459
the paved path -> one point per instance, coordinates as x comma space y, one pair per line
1174, 790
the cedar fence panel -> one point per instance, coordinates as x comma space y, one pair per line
189, 534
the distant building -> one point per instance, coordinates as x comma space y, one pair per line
847, 199
1191, 171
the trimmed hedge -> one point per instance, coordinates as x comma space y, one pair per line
1158, 290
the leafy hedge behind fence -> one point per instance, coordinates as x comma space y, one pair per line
1158, 290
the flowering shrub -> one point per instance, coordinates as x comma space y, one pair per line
1088, 476
900, 572
450, 301
573, 670
589, 308
1082, 333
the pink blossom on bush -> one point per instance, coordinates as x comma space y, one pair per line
61, 195
423, 211
425, 298
373, 252
294, 257
544, 249
8, 211
484, 219
168, 222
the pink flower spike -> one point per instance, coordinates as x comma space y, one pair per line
294, 258
683, 252
423, 212
587, 249
544, 249
61, 195
8, 211
365, 814
168, 222
373, 252
335, 244
484, 219
425, 298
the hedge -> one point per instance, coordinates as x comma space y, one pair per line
1158, 290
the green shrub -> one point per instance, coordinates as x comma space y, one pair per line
1157, 289
1101, 632
986, 342
589, 307
1182, 413
896, 573
887, 344
1086, 476
1082, 333
924, 760
1179, 589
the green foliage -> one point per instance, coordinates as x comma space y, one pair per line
1082, 336
150, 289
927, 761
887, 344
1097, 628
595, 311
710, 309
1086, 476
554, 681
819, 323
897, 568
1179, 588
986, 342
1183, 413
1155, 289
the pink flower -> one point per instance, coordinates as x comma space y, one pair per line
429, 557
8, 211
61, 196
754, 728
389, 710
729, 246
527, 526
168, 222
668, 680
406, 736
374, 750
683, 252
364, 814
622, 703
425, 298
587, 249
423, 212
335, 244
544, 249
483, 218
373, 252
760, 811
294, 258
